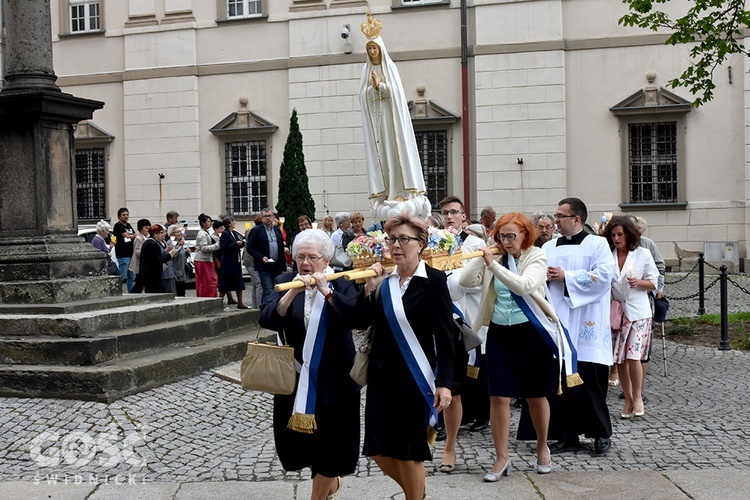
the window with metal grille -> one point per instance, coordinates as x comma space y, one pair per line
84, 16
247, 189
244, 8
433, 153
653, 162
91, 191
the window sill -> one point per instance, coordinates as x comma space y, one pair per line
442, 3
82, 33
634, 207
242, 19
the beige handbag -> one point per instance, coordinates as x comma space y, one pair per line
358, 373
268, 367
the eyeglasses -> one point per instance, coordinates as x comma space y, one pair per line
452, 212
403, 240
267, 216
562, 216
509, 236
310, 258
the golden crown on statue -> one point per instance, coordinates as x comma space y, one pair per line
371, 28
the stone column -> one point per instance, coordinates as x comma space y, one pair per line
41, 256
29, 45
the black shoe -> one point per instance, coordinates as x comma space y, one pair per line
602, 446
518, 403
622, 395
440, 434
479, 425
562, 446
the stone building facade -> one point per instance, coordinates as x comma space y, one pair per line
562, 102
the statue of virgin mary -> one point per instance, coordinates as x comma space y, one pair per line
394, 171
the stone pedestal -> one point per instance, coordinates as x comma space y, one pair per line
39, 246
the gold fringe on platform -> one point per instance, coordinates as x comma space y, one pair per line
431, 435
573, 380
301, 422
472, 371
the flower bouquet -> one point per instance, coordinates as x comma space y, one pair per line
367, 250
443, 250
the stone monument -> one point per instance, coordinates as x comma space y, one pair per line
41, 256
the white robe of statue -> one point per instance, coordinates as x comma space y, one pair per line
394, 171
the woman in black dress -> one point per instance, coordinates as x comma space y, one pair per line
520, 362
153, 256
410, 311
230, 277
331, 449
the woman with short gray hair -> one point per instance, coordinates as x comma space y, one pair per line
101, 241
317, 426
315, 238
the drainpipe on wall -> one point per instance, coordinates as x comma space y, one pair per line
465, 110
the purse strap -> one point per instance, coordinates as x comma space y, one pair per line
281, 333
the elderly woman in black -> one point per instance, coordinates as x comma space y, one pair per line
317, 426
410, 311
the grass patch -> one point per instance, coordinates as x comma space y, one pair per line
706, 329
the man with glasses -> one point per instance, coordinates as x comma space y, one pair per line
580, 272
545, 223
467, 300
266, 245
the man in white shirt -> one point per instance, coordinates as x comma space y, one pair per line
580, 272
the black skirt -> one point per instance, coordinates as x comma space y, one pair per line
332, 449
396, 416
519, 362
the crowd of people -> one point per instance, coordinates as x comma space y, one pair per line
544, 298
564, 312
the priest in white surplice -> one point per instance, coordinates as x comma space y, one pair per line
394, 170
580, 272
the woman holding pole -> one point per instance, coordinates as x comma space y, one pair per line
410, 311
520, 349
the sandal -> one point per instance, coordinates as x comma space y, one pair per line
614, 383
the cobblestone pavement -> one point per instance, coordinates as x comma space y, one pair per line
207, 429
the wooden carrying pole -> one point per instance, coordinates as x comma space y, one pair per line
367, 273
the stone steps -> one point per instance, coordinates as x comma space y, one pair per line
115, 379
128, 342
91, 320
107, 348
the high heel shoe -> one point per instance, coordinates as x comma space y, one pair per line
335, 494
542, 468
626, 416
639, 413
493, 477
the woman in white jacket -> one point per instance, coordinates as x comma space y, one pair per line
636, 276
520, 361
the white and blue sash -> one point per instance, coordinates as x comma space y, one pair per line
408, 344
551, 330
303, 414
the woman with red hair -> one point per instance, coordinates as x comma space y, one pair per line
520, 356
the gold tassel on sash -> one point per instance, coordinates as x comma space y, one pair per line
573, 380
431, 435
301, 422
472, 371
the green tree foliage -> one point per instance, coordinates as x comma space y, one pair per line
714, 26
294, 192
